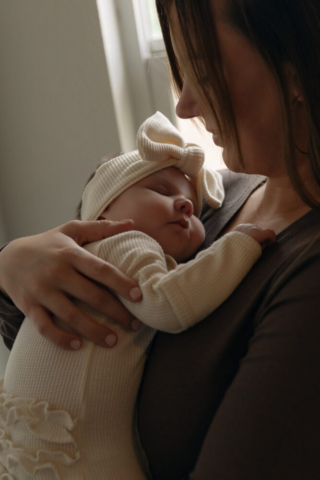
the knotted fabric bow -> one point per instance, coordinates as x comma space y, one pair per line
160, 145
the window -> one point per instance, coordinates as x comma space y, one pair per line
143, 57
155, 30
203, 138
152, 26
187, 128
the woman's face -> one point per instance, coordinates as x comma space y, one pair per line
254, 96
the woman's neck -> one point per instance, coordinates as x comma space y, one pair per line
274, 205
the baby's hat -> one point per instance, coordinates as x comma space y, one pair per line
160, 145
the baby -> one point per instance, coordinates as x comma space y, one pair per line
71, 415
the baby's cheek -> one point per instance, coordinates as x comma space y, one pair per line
201, 230
199, 233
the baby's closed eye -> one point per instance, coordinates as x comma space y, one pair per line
161, 189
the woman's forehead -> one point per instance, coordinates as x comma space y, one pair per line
219, 16
219, 9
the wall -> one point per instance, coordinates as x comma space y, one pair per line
56, 110
57, 113
3, 230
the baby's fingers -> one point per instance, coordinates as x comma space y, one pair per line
267, 238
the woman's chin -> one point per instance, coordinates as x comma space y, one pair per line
232, 161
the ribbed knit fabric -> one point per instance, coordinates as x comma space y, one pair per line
71, 415
160, 145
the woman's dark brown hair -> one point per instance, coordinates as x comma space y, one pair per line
282, 31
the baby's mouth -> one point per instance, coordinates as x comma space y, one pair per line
183, 222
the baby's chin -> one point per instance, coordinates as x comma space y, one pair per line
182, 255
185, 251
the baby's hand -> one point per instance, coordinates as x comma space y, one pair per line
264, 237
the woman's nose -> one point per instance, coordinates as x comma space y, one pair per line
184, 205
187, 106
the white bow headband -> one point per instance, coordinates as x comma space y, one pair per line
160, 145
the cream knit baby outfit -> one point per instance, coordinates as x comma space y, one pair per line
71, 415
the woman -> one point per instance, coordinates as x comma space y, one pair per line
236, 397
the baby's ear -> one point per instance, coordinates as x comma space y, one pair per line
102, 216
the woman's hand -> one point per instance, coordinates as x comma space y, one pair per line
42, 273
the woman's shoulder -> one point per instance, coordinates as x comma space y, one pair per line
237, 185
234, 181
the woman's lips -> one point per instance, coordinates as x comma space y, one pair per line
217, 139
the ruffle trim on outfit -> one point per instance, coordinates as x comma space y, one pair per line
43, 425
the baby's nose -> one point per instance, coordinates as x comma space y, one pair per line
184, 205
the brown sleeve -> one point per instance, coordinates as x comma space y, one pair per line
10, 320
268, 423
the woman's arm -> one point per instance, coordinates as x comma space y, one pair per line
42, 273
10, 320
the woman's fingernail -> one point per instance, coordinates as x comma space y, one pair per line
75, 344
135, 293
136, 325
111, 340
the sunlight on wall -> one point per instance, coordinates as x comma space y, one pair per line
203, 138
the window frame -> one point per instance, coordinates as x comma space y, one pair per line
148, 78
145, 63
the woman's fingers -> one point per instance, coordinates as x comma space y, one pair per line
68, 340
45, 326
99, 298
78, 320
41, 273
104, 273
86, 232
93, 267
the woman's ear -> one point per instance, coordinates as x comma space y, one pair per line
293, 82
298, 114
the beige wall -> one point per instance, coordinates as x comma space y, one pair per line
3, 233
57, 116
57, 113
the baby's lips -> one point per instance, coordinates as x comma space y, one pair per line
183, 222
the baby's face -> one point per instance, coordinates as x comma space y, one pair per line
162, 205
